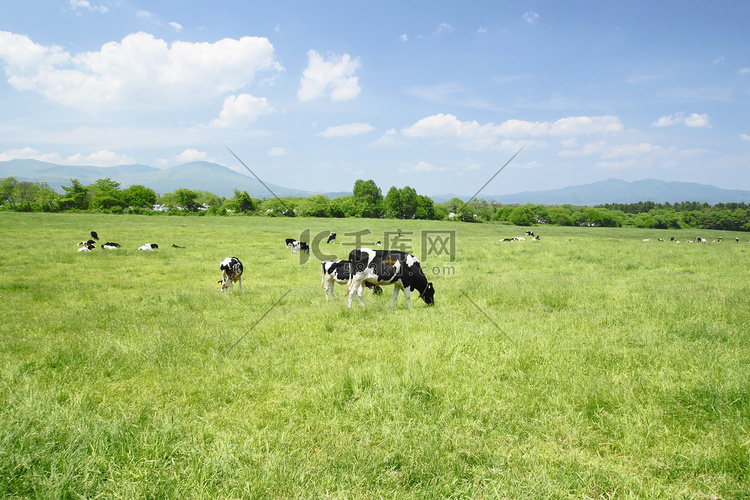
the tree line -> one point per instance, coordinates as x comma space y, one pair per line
366, 200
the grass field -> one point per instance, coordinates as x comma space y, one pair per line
589, 364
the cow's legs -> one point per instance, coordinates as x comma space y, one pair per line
241, 283
356, 286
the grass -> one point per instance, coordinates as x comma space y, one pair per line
620, 368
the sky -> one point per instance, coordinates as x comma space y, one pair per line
436, 95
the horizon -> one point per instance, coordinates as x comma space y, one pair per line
436, 97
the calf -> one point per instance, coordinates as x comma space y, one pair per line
87, 247
300, 245
387, 267
338, 271
94, 235
331, 238
148, 246
110, 245
231, 271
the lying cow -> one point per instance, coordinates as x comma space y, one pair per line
338, 271
387, 267
231, 271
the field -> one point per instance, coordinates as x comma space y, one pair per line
589, 364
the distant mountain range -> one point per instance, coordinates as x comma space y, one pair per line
220, 180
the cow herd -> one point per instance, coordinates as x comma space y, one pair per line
366, 268
90, 244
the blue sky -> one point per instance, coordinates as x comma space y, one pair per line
434, 95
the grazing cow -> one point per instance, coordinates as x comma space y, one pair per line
289, 241
231, 271
148, 246
338, 271
87, 247
110, 245
331, 238
529, 233
300, 245
86, 243
94, 235
535, 238
387, 267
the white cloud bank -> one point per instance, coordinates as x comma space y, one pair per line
347, 130
139, 71
239, 111
102, 158
692, 120
333, 77
474, 136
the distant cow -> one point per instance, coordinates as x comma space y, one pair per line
289, 241
94, 235
86, 243
87, 247
331, 238
387, 267
529, 233
338, 271
148, 246
111, 245
300, 245
231, 272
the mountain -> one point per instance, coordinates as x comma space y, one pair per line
199, 175
207, 176
619, 191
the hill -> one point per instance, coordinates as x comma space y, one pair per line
200, 175
619, 191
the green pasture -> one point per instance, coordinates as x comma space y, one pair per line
589, 364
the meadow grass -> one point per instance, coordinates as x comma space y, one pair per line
615, 368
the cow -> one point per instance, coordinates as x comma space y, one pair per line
148, 246
110, 245
87, 247
289, 241
338, 271
86, 243
231, 271
529, 233
387, 267
300, 245
94, 235
331, 238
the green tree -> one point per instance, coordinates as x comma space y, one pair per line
392, 207
241, 202
138, 196
105, 195
7, 186
524, 215
368, 197
187, 199
315, 206
76, 196
425, 208
408, 202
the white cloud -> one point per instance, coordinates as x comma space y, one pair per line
177, 26
277, 151
240, 111
138, 71
423, 166
404, 38
444, 28
85, 4
102, 158
744, 71
333, 76
531, 17
347, 130
475, 136
692, 120
745, 137
191, 155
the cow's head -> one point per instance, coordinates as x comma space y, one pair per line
429, 294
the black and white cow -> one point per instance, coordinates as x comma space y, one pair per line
86, 243
387, 267
289, 241
87, 247
110, 245
331, 238
94, 235
231, 272
338, 271
148, 246
301, 246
